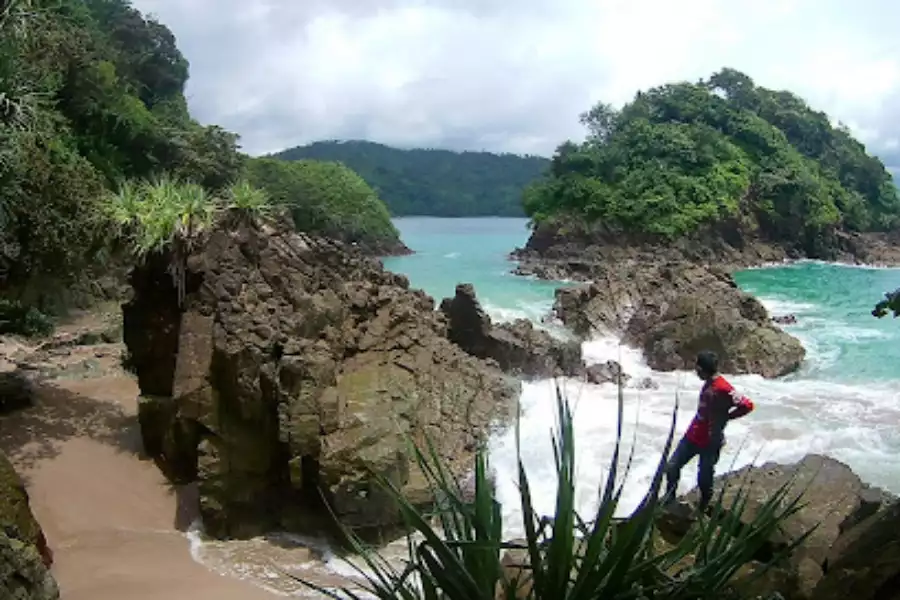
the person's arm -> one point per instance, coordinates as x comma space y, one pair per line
740, 405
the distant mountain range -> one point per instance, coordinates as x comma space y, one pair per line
429, 182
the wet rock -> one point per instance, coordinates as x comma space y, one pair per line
831, 494
673, 310
15, 388
667, 298
646, 383
23, 573
785, 319
607, 372
519, 348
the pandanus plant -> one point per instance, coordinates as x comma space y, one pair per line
167, 215
565, 557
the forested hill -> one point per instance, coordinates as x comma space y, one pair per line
721, 154
430, 182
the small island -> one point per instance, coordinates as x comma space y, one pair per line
682, 186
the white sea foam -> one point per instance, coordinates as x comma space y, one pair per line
855, 424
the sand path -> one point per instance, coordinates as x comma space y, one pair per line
114, 523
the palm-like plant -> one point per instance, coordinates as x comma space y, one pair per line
248, 202
567, 558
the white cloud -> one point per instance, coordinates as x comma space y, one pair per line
515, 75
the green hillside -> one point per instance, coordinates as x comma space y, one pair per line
429, 182
92, 97
684, 158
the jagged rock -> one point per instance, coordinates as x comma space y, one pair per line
518, 347
607, 372
15, 512
785, 319
646, 383
864, 564
25, 557
832, 495
294, 366
672, 310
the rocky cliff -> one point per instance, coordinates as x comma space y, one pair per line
291, 372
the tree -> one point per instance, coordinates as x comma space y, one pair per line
682, 158
326, 198
600, 122
91, 95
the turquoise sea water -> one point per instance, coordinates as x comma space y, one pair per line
844, 401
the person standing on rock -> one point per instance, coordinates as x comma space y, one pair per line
719, 403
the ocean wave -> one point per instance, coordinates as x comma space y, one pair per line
814, 261
793, 417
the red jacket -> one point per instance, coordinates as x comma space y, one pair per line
719, 403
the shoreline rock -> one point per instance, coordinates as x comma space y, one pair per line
842, 523
519, 348
297, 364
671, 310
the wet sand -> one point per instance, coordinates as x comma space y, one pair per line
115, 525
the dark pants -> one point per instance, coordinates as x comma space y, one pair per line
684, 453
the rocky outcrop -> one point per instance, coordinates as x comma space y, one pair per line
837, 511
672, 310
606, 372
25, 557
864, 564
294, 369
518, 347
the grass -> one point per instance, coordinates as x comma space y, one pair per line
568, 558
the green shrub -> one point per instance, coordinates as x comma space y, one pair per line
325, 198
570, 558
18, 319
684, 156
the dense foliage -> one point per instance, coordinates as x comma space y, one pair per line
688, 155
92, 100
439, 183
326, 197
91, 94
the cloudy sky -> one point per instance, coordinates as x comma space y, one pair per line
506, 75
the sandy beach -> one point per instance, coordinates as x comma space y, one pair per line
115, 525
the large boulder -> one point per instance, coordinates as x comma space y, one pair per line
672, 310
518, 347
833, 502
25, 557
864, 564
294, 369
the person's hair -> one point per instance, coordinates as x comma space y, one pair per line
708, 362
